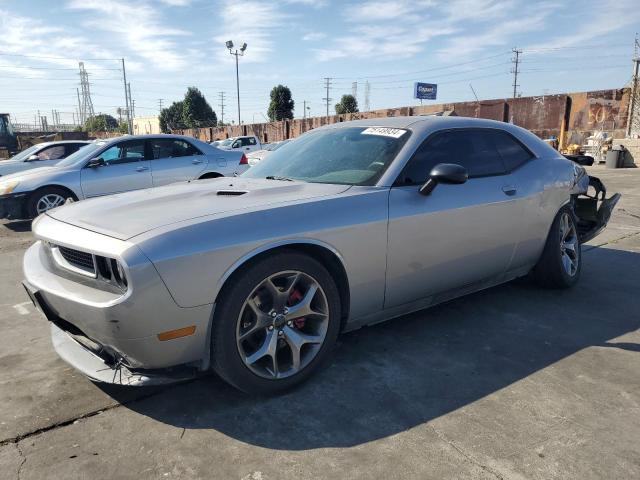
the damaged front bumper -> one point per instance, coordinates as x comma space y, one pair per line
14, 205
593, 209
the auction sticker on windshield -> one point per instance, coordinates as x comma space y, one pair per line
384, 131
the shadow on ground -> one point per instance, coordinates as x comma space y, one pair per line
18, 225
394, 376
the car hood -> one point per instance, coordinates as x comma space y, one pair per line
126, 215
32, 172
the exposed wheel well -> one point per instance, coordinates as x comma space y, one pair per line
58, 187
210, 175
325, 256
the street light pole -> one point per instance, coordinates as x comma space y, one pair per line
237, 53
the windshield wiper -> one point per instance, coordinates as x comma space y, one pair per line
277, 177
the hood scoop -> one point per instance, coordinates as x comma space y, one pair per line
231, 193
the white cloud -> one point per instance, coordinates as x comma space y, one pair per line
258, 34
177, 3
314, 36
137, 26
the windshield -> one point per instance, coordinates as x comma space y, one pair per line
25, 153
84, 153
226, 143
349, 156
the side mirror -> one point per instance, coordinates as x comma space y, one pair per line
444, 173
96, 162
33, 158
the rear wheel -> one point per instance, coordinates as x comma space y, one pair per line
561, 261
47, 198
276, 323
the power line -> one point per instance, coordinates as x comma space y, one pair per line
7, 54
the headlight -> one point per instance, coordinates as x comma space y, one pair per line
7, 187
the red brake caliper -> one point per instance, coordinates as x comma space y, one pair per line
294, 298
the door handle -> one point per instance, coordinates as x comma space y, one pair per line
196, 162
509, 190
142, 169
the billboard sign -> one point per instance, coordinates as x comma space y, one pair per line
425, 91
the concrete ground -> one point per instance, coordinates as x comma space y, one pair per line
514, 382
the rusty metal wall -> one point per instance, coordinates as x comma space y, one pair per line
585, 113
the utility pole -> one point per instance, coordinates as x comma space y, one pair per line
516, 61
160, 100
131, 101
304, 109
126, 99
633, 118
327, 99
221, 95
367, 92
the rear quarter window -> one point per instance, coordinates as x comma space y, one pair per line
513, 153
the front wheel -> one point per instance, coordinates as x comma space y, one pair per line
47, 198
561, 260
276, 323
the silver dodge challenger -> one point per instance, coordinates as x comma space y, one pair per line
351, 224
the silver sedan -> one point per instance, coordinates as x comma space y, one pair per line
350, 225
116, 165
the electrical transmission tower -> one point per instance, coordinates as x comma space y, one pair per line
221, 94
367, 92
354, 90
516, 62
84, 101
327, 99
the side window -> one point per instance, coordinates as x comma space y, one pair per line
124, 152
472, 149
51, 153
169, 148
72, 148
434, 150
513, 153
187, 149
477, 153
251, 141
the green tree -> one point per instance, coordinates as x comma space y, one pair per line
348, 104
196, 112
171, 118
100, 123
123, 127
281, 105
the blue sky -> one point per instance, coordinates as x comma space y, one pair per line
171, 44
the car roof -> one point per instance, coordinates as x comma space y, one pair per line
144, 137
422, 123
60, 142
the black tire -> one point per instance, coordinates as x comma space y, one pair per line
32, 203
550, 271
226, 358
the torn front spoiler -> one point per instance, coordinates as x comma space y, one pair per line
593, 209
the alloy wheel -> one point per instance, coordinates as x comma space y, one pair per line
49, 201
569, 247
282, 324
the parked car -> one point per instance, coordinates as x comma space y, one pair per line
257, 156
44, 154
246, 144
117, 165
351, 224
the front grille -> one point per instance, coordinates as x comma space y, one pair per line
78, 259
